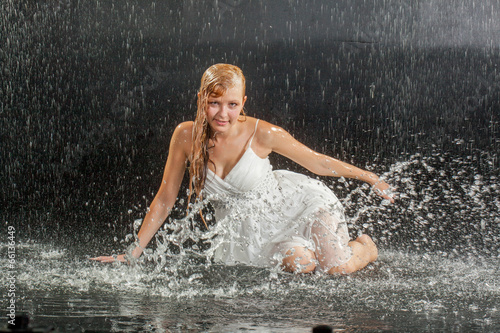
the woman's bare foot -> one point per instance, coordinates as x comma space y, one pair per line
364, 251
372, 248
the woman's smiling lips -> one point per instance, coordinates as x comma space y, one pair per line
220, 122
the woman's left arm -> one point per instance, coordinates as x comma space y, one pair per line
281, 142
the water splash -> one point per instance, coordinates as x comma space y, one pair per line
446, 204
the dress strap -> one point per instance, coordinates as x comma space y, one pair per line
254, 131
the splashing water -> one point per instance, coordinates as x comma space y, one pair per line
74, 73
437, 269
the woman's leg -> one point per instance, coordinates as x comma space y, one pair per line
364, 251
299, 260
334, 252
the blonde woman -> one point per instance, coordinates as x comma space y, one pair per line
264, 217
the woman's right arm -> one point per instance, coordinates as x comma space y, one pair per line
180, 147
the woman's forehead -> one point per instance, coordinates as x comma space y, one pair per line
233, 90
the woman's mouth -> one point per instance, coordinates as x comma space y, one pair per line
220, 122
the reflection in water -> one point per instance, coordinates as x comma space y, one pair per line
401, 291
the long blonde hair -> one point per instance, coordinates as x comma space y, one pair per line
216, 80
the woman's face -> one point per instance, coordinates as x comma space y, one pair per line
223, 111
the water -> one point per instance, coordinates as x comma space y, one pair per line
414, 286
401, 292
91, 91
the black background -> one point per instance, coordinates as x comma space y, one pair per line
92, 90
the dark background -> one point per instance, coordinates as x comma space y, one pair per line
91, 91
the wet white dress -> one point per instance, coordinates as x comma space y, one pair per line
261, 214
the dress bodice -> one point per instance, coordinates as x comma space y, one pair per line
245, 175
248, 172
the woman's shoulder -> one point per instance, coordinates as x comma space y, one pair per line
266, 130
185, 125
184, 129
183, 133
267, 134
262, 127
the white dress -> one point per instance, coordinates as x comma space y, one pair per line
261, 214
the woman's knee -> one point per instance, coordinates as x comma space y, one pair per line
299, 260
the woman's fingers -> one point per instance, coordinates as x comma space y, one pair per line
120, 258
384, 190
104, 259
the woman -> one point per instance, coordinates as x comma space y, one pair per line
264, 217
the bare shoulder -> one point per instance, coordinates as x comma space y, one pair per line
185, 127
182, 137
268, 138
183, 131
267, 133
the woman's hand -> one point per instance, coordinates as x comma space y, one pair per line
383, 189
120, 258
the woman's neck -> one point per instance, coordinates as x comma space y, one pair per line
233, 132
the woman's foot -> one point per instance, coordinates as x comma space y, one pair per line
364, 251
371, 247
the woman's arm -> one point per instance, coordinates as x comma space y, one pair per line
180, 147
280, 141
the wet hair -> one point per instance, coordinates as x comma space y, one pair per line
216, 80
